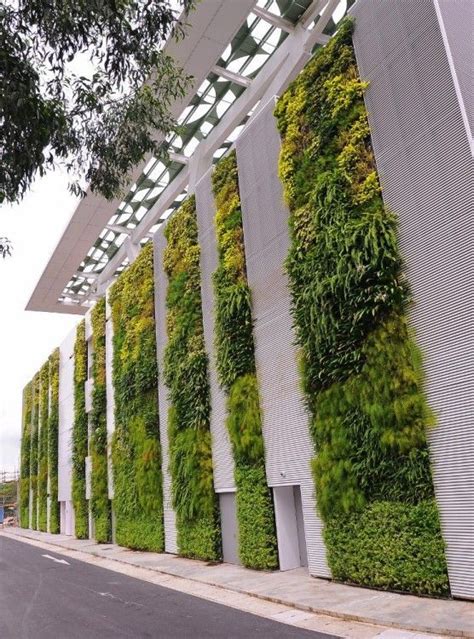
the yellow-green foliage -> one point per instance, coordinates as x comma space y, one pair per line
185, 372
136, 452
26, 456
100, 503
43, 448
53, 429
34, 451
360, 365
79, 436
235, 363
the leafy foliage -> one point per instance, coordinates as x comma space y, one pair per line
5, 247
34, 451
136, 452
100, 503
361, 368
53, 431
26, 456
80, 436
235, 362
100, 126
186, 376
43, 448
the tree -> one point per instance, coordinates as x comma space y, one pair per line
97, 125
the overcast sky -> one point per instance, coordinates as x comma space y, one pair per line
27, 338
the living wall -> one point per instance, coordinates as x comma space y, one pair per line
43, 448
26, 456
186, 376
80, 436
34, 451
361, 368
100, 503
136, 452
235, 361
53, 432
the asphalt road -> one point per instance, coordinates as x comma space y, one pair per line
43, 599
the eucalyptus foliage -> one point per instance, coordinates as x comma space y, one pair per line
361, 368
80, 436
136, 451
100, 502
186, 377
235, 362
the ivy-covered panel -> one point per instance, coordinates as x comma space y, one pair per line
235, 362
186, 377
361, 368
80, 436
136, 452
34, 451
43, 448
26, 456
53, 433
100, 503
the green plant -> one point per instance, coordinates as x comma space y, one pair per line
26, 456
136, 452
80, 435
34, 451
53, 430
361, 368
43, 448
186, 376
235, 363
100, 503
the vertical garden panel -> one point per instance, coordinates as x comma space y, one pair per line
26, 456
43, 448
53, 433
34, 452
80, 436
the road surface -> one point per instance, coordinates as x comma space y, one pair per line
48, 596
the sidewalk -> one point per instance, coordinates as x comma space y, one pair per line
292, 588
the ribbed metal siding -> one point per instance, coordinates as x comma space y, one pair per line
288, 447
221, 449
427, 174
161, 285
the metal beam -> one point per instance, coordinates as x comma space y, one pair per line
233, 77
273, 19
116, 228
178, 157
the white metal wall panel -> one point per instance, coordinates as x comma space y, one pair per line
109, 389
66, 416
427, 173
288, 446
161, 285
221, 448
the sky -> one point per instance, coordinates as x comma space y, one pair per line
27, 338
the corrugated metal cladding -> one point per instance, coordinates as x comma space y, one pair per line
427, 173
288, 446
161, 285
221, 449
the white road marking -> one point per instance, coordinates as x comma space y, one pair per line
58, 561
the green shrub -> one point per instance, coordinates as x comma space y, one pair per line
100, 503
361, 369
43, 448
26, 456
136, 452
186, 377
34, 451
79, 436
235, 363
53, 431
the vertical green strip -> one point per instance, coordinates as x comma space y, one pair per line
26, 457
235, 360
136, 452
100, 503
361, 368
53, 432
34, 452
79, 436
186, 376
43, 448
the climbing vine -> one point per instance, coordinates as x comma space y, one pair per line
53, 432
26, 456
136, 452
186, 376
361, 368
235, 362
43, 448
34, 451
100, 503
80, 435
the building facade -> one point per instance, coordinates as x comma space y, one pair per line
274, 365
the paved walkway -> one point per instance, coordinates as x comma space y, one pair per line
293, 588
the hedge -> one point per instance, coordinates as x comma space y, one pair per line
136, 452
235, 363
361, 368
80, 436
186, 377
